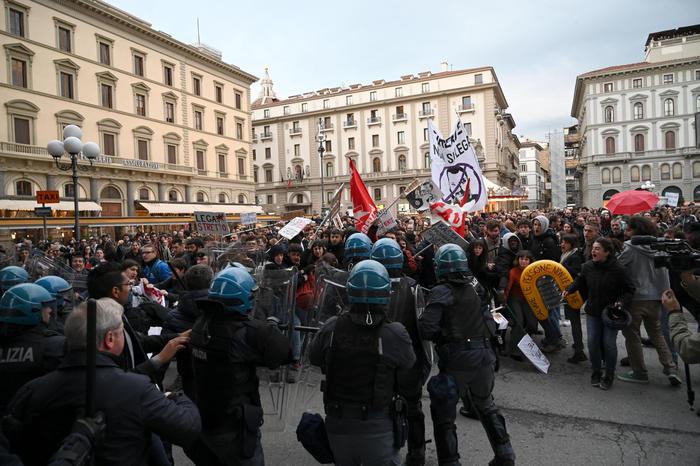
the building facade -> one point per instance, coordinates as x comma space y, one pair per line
172, 120
637, 121
382, 126
534, 174
557, 168
573, 172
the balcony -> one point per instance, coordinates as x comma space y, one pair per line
255, 138
375, 120
266, 136
350, 124
399, 117
326, 127
295, 131
464, 108
430, 113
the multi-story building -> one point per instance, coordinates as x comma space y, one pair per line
172, 120
534, 173
383, 127
636, 121
573, 172
557, 168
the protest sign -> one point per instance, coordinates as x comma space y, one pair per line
211, 222
387, 222
248, 218
294, 227
533, 353
423, 194
672, 199
440, 233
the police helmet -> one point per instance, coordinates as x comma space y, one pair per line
358, 246
616, 317
450, 258
369, 283
234, 288
11, 276
56, 286
387, 252
22, 304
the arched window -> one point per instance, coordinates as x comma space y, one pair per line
426, 160
144, 194
610, 145
646, 173
329, 169
298, 172
222, 198
300, 198
402, 162
609, 114
172, 196
110, 192
677, 171
638, 111
639, 143
23, 188
669, 107
200, 196
376, 165
617, 175
68, 190
665, 170
242, 199
634, 174
605, 176
670, 139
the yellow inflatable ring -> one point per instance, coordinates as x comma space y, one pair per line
528, 283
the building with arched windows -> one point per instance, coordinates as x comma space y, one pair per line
382, 126
172, 119
637, 122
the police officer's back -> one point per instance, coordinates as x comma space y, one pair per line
227, 346
360, 354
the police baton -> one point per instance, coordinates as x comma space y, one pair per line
91, 354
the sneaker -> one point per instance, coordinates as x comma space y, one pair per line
562, 342
633, 377
675, 380
577, 358
625, 362
565, 323
606, 383
595, 379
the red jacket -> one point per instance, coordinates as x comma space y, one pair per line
513, 289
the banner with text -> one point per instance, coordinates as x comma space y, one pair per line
294, 227
211, 222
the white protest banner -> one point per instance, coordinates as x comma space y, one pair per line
455, 168
387, 222
211, 222
335, 201
249, 217
294, 227
533, 353
440, 233
423, 194
672, 199
338, 222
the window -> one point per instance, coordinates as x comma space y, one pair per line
241, 166
616, 175
466, 102
400, 112
304, 107
105, 51
425, 87
139, 69
68, 190
425, 108
669, 107
670, 140
144, 194
637, 83
66, 85
697, 103
677, 171
350, 119
268, 153
646, 173
140, 104
255, 155
697, 75
241, 199
351, 143
329, 145
402, 162
196, 85
200, 159
65, 42
523, 180
171, 150
172, 196
23, 188
200, 196
19, 73
222, 163
16, 21
608, 87
638, 111
376, 165
696, 169
296, 128
329, 169
219, 93
198, 120
605, 176
268, 198
375, 140
286, 110
468, 129
238, 98
634, 174
22, 127
668, 79
398, 92
170, 112
377, 194
639, 143
327, 123
266, 113
426, 160
220, 125
106, 96
523, 167
401, 137
142, 148
348, 100
610, 145
665, 171
425, 134
168, 72
297, 150
268, 176
326, 103
109, 144
300, 198
373, 96
239, 130
478, 78
609, 114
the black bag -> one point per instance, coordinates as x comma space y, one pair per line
398, 417
311, 432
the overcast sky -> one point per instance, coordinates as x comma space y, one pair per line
537, 47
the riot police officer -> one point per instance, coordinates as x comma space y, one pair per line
358, 247
27, 349
402, 308
227, 346
360, 353
11, 276
62, 292
456, 320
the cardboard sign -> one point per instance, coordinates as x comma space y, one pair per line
338, 222
440, 233
672, 199
294, 227
423, 195
47, 197
387, 222
533, 353
292, 214
211, 222
248, 218
335, 201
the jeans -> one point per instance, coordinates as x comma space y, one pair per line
574, 315
555, 316
602, 345
648, 312
552, 333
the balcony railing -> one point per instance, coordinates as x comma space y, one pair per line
295, 131
426, 113
465, 108
350, 124
374, 120
265, 136
327, 127
399, 117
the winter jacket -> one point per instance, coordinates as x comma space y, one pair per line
183, 316
505, 260
157, 271
513, 289
602, 284
649, 282
546, 246
687, 342
573, 263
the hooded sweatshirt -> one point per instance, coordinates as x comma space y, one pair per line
649, 282
546, 244
506, 256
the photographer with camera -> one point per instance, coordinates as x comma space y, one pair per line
688, 343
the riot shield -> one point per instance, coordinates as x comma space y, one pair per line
420, 293
252, 258
330, 295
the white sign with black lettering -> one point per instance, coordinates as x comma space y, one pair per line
387, 222
248, 218
533, 353
440, 233
211, 222
294, 227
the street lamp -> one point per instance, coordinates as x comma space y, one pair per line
321, 138
648, 185
73, 146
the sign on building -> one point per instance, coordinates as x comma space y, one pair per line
47, 197
211, 222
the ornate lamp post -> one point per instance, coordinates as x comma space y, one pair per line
74, 147
321, 138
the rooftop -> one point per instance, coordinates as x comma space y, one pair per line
673, 33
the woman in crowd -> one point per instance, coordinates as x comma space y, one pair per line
572, 260
483, 271
517, 306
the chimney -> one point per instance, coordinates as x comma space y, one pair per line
444, 66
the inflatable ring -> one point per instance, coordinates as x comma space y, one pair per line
528, 283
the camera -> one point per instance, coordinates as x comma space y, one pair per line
674, 254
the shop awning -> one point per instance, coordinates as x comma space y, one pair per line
177, 208
23, 204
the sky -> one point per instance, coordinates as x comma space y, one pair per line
537, 47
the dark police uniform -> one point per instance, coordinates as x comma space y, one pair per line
226, 349
456, 321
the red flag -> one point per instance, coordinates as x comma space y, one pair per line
451, 214
467, 193
363, 206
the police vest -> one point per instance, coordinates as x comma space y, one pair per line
222, 384
463, 319
357, 374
